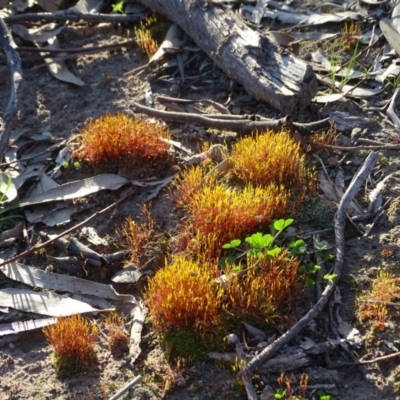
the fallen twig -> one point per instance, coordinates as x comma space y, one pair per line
66, 54
386, 303
73, 15
339, 224
351, 148
243, 126
80, 50
374, 360
14, 66
75, 227
246, 376
126, 388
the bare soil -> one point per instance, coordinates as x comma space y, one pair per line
26, 371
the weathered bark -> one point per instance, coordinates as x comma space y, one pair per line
279, 79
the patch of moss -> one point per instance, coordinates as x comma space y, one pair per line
183, 345
317, 211
66, 367
394, 212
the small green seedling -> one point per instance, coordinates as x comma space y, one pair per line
233, 244
119, 7
382, 160
309, 273
76, 164
394, 81
324, 396
297, 247
3, 192
282, 224
261, 246
258, 243
321, 248
280, 393
330, 277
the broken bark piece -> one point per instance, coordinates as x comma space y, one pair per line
279, 79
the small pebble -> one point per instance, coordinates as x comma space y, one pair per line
232, 338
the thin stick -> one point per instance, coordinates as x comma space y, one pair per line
14, 66
49, 242
339, 224
351, 148
73, 15
80, 50
244, 126
126, 388
374, 360
386, 303
246, 376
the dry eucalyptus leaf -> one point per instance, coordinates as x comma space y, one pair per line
130, 274
310, 18
41, 34
76, 189
58, 215
138, 316
49, 5
351, 334
58, 68
48, 280
23, 326
391, 34
89, 6
91, 235
280, 38
51, 304
31, 171
171, 44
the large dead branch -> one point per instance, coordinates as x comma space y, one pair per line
277, 78
339, 224
14, 65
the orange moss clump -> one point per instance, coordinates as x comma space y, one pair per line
144, 37
146, 42
136, 236
115, 138
72, 339
218, 213
186, 184
328, 138
183, 297
268, 158
118, 337
351, 34
270, 284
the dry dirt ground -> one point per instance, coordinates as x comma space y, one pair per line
26, 371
